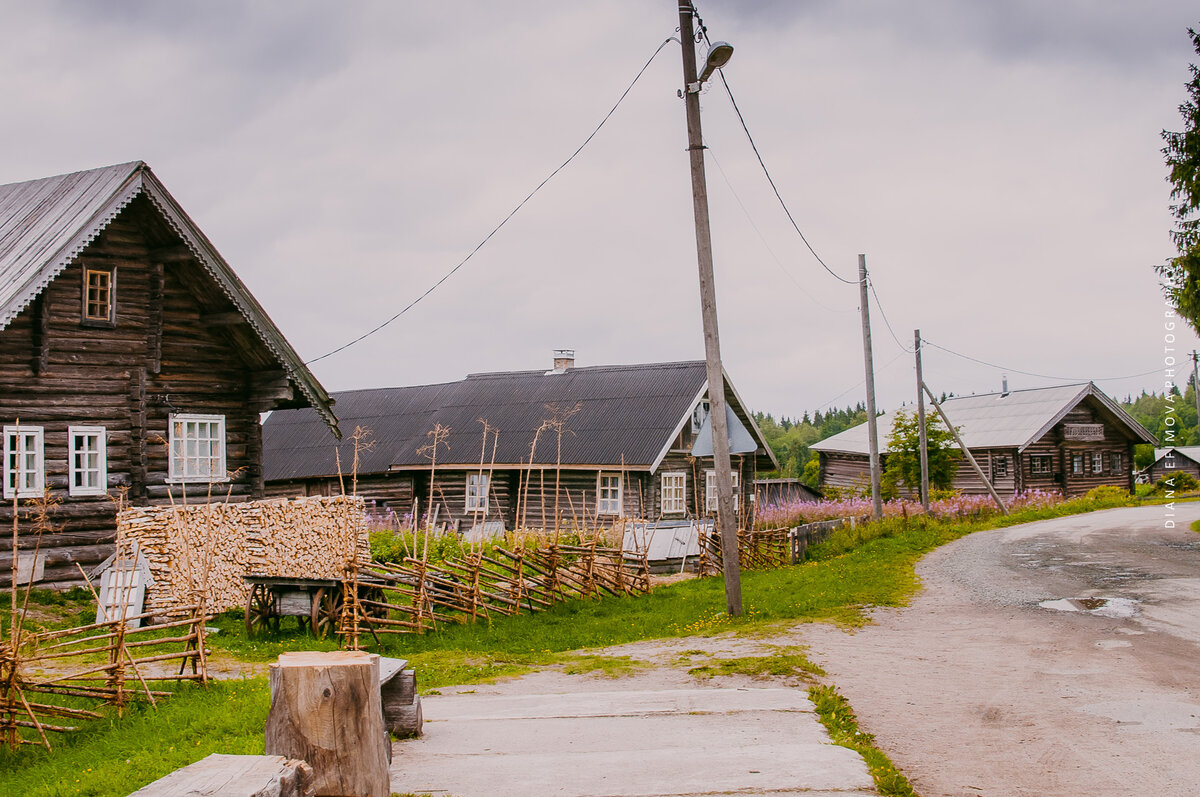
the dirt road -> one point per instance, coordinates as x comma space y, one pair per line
1054, 658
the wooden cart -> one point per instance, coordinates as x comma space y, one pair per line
316, 603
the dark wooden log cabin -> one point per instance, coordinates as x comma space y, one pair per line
1067, 439
1174, 460
632, 446
134, 365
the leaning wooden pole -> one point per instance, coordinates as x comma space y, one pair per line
966, 451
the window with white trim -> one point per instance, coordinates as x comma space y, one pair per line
477, 492
710, 490
87, 460
1097, 462
1077, 464
608, 494
1118, 463
1041, 464
674, 492
197, 448
24, 461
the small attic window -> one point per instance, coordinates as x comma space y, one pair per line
99, 296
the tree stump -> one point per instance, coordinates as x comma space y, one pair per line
325, 709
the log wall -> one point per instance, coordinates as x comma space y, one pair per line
177, 346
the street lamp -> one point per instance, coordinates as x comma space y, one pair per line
718, 56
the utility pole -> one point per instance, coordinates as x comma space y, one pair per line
921, 424
726, 520
869, 365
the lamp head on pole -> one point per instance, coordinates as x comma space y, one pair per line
718, 55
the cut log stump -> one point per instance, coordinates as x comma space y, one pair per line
235, 776
326, 710
401, 703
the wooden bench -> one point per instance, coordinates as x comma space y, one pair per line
398, 693
222, 775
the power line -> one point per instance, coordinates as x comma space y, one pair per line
512, 213
888, 324
761, 237
1039, 376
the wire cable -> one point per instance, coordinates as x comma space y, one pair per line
860, 383
926, 341
763, 238
888, 324
512, 213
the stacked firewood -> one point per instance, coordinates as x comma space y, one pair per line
204, 551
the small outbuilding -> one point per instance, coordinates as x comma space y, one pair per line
1174, 460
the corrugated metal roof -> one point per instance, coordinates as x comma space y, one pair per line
626, 413
997, 420
46, 223
1191, 452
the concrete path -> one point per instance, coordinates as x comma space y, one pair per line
626, 741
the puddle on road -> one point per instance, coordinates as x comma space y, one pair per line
1116, 608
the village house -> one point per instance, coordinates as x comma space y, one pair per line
517, 449
1174, 460
1068, 439
134, 364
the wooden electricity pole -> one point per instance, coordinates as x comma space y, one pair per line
726, 520
966, 451
869, 366
924, 436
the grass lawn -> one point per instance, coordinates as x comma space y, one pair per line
868, 566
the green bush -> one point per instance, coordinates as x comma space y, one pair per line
1178, 482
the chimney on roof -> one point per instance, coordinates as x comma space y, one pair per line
564, 360
1004, 386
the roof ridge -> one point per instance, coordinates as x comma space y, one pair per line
132, 165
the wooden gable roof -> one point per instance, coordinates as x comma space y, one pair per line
45, 224
615, 416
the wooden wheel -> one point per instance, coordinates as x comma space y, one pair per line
326, 611
374, 594
261, 613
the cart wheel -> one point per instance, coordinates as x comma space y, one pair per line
261, 613
326, 611
377, 595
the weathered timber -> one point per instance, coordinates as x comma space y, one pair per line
326, 710
221, 775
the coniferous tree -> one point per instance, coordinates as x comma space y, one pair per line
1181, 274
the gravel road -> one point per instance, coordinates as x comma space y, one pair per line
1054, 658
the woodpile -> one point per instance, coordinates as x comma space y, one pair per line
204, 551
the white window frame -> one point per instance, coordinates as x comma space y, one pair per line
1036, 459
1000, 466
1097, 462
673, 492
20, 481
710, 490
610, 505
98, 483
477, 482
177, 468
1077, 465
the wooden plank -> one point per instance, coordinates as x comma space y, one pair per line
221, 775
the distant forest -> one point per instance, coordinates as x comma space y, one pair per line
1161, 413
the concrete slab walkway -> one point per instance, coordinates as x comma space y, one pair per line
627, 742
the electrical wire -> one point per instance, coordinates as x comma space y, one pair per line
926, 341
888, 324
860, 383
766, 245
512, 213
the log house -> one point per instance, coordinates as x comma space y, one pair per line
132, 361
1067, 439
631, 446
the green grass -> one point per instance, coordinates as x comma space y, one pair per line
839, 720
785, 662
871, 565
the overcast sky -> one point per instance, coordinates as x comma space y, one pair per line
998, 163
